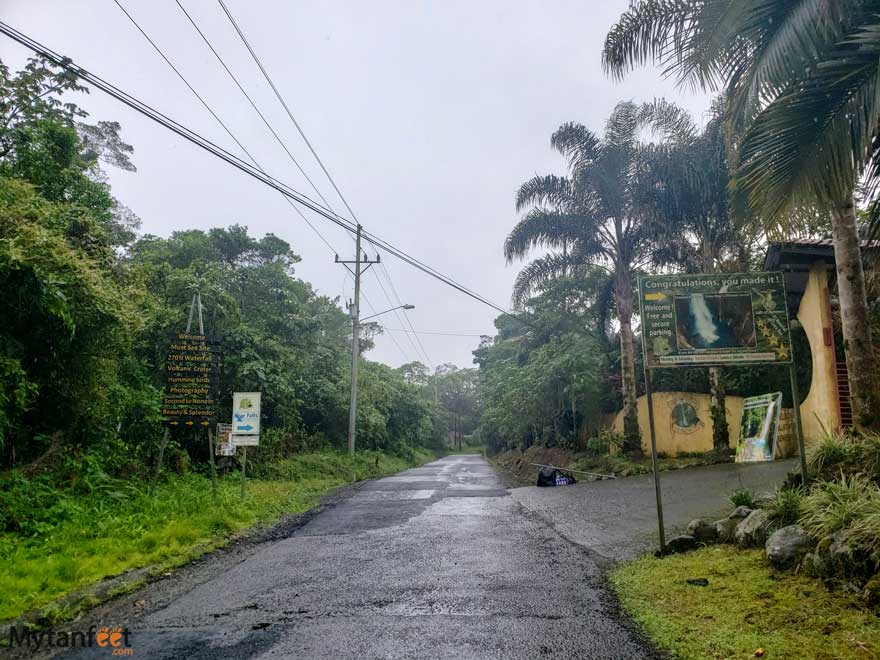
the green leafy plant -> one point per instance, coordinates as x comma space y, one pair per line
743, 497
834, 451
836, 505
608, 441
784, 508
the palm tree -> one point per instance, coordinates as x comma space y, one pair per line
598, 214
802, 78
699, 233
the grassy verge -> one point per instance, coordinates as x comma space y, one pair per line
81, 539
623, 466
745, 607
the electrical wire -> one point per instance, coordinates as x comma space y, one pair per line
442, 334
217, 118
207, 145
281, 100
250, 100
232, 135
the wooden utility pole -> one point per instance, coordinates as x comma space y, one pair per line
354, 310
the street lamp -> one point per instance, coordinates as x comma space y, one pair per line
388, 310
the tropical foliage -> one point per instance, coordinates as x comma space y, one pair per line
800, 78
600, 215
90, 308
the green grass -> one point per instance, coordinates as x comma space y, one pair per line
742, 497
746, 606
84, 538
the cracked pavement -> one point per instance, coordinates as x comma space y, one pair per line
434, 562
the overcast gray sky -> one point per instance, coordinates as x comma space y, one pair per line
428, 114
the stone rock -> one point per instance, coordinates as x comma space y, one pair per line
871, 592
740, 512
787, 546
683, 543
724, 529
702, 530
840, 553
752, 531
815, 564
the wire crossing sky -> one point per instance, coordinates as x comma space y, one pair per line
430, 116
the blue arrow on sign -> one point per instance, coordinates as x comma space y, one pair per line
247, 427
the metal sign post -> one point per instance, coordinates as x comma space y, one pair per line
245, 425
192, 376
243, 465
649, 395
710, 320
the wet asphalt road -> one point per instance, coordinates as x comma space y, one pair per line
617, 519
435, 562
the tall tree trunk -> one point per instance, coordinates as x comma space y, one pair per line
854, 314
623, 293
717, 404
718, 411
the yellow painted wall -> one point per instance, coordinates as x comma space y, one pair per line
819, 406
672, 439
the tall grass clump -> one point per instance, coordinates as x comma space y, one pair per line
848, 452
833, 453
743, 497
834, 506
784, 508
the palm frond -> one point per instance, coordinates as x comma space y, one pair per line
669, 121
787, 39
813, 140
578, 144
539, 272
543, 227
549, 189
649, 31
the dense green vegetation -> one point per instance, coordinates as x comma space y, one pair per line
90, 308
64, 539
651, 193
798, 81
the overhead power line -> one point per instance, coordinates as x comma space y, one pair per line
235, 161
284, 104
442, 334
250, 100
278, 139
235, 139
218, 119
281, 100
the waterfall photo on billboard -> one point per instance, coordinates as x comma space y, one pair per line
715, 321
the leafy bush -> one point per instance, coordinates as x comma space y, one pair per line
865, 532
834, 452
608, 441
784, 508
743, 497
836, 505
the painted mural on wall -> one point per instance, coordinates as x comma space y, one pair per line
684, 417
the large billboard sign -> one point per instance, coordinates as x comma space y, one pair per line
714, 319
192, 379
